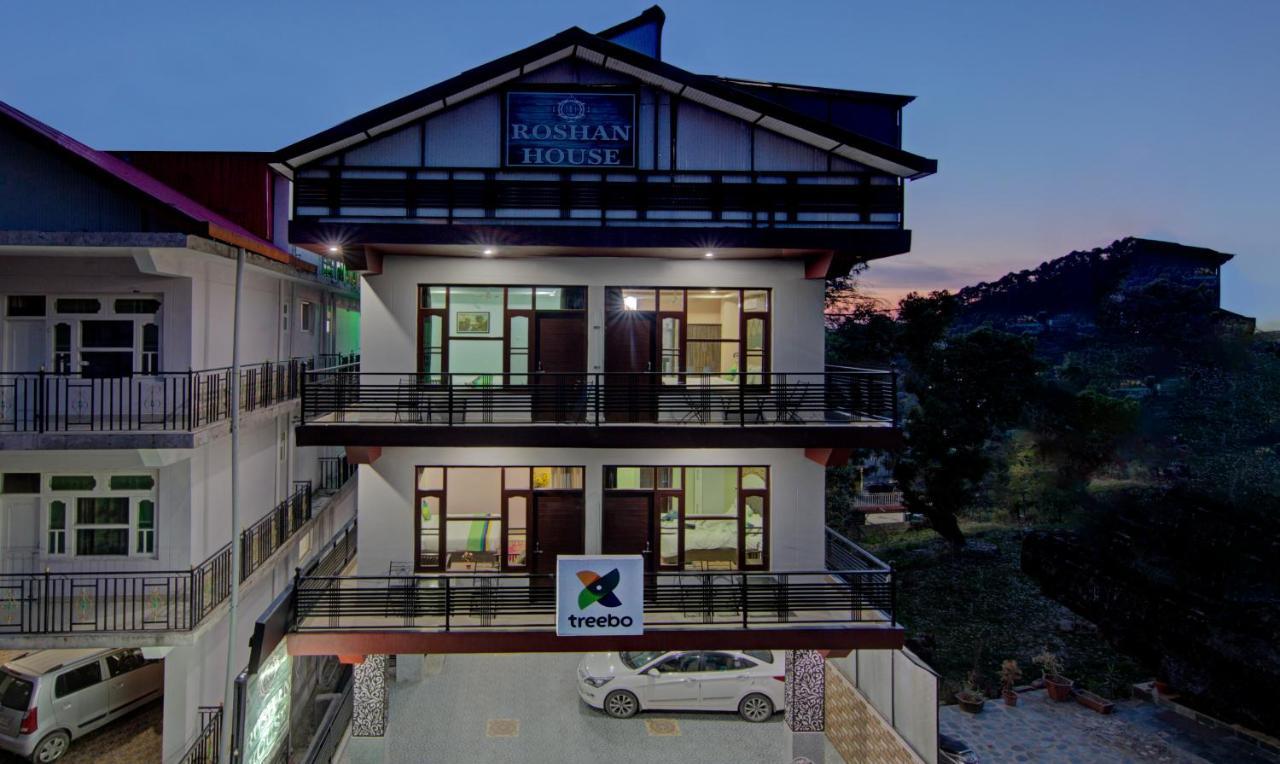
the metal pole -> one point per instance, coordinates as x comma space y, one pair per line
224, 749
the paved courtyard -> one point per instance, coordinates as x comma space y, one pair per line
525, 708
1046, 732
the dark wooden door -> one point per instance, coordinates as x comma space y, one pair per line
560, 360
628, 526
630, 357
559, 527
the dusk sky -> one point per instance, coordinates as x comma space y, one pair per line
1057, 126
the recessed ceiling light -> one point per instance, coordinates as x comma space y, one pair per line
710, 254
488, 251
335, 249
630, 302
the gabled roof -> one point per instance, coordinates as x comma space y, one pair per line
711, 92
217, 226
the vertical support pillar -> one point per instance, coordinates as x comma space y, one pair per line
806, 696
369, 712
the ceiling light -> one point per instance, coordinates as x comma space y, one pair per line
488, 251
710, 254
630, 302
335, 249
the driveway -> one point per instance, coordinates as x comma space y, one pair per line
525, 708
1046, 732
131, 739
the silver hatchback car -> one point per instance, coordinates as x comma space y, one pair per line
51, 697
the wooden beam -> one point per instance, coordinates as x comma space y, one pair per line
829, 457
373, 262
363, 454
836, 638
819, 266
657, 435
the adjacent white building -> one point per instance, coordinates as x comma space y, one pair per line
117, 295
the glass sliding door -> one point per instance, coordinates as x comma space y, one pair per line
485, 519
706, 518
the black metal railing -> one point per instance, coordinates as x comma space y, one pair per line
453, 602
837, 396
41, 401
262, 539
173, 600
842, 554
208, 742
585, 197
335, 471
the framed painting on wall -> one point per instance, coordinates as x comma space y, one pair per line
473, 322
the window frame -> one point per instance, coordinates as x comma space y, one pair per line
614, 298
67, 356
67, 546
680, 493
505, 564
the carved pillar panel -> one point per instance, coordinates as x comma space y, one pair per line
806, 697
369, 709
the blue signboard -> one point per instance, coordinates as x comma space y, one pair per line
570, 129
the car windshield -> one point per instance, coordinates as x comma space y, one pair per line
15, 692
635, 660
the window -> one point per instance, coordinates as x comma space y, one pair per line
146, 527
284, 317
484, 335
20, 482
103, 515
683, 663
704, 336
723, 662
306, 316
125, 661
708, 518
480, 518
57, 542
105, 337
764, 656
77, 679
26, 306
15, 692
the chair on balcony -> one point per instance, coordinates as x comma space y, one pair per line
408, 401
401, 585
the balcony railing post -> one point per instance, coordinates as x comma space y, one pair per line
448, 603
41, 401
893, 395
302, 396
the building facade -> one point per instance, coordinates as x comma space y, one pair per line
116, 385
592, 302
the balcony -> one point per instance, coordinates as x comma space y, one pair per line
812, 211
152, 601
46, 410
853, 595
838, 408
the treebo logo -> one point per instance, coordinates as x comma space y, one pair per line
599, 589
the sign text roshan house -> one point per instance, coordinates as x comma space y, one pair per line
570, 129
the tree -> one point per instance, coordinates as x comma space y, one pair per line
968, 391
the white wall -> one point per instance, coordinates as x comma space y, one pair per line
388, 319
797, 494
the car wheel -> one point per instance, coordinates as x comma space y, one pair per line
756, 708
621, 704
52, 748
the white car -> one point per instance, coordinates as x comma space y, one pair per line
622, 684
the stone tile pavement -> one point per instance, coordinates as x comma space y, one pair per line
1043, 731
446, 715
133, 739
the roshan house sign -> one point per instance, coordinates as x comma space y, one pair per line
599, 595
570, 129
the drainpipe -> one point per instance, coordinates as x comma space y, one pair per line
224, 747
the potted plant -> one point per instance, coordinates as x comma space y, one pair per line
1059, 686
971, 698
1010, 673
